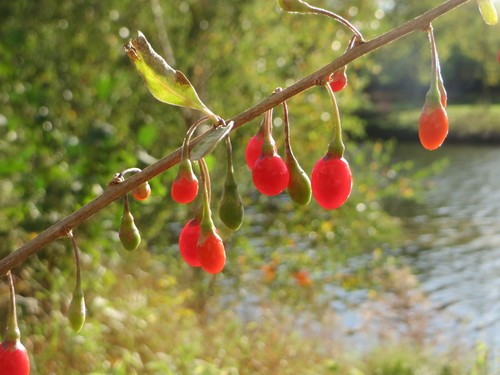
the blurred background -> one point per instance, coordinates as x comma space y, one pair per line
403, 279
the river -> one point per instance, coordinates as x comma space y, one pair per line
453, 242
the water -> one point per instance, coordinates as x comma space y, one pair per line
453, 242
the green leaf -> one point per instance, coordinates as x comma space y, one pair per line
210, 139
488, 11
164, 83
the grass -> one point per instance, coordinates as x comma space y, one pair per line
143, 320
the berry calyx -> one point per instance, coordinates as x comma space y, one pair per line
331, 182
142, 192
188, 240
185, 186
14, 359
270, 174
338, 80
432, 126
210, 251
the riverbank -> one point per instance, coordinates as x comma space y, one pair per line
479, 123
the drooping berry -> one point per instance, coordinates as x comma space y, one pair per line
188, 240
270, 174
338, 80
210, 248
130, 236
331, 182
432, 126
185, 186
14, 359
433, 121
77, 310
231, 210
211, 252
299, 185
142, 192
498, 56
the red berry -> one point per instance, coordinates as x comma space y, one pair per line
270, 174
142, 192
14, 359
254, 149
331, 182
338, 80
184, 189
188, 240
302, 278
211, 253
498, 56
432, 127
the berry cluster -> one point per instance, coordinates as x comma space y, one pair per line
331, 179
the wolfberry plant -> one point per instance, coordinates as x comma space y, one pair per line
330, 182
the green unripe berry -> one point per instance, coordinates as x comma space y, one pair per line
231, 210
129, 234
77, 310
299, 185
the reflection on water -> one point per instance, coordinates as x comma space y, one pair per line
454, 241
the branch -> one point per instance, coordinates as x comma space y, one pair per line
64, 226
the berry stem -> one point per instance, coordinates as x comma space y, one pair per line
126, 205
312, 9
12, 332
130, 170
229, 155
207, 224
78, 284
336, 147
433, 93
189, 134
288, 146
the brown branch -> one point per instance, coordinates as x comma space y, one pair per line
64, 226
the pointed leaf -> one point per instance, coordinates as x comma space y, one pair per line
488, 11
209, 141
165, 84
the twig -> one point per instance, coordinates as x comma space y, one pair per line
115, 191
